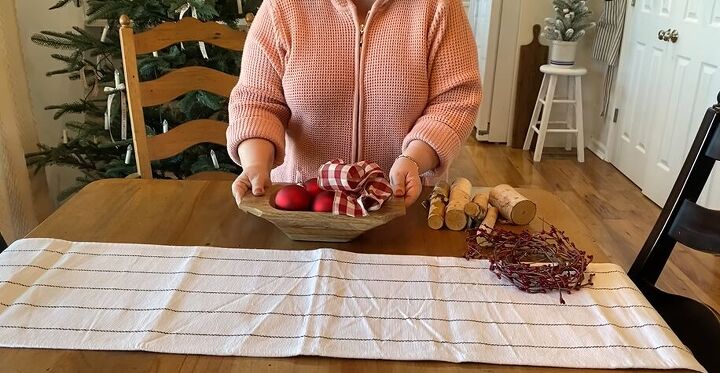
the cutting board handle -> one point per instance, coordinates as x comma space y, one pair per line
532, 56
536, 34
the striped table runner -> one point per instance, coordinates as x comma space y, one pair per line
198, 300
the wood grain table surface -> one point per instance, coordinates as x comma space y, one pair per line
170, 212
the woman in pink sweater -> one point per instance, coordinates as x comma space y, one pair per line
390, 81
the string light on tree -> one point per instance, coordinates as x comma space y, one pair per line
214, 159
128, 154
104, 36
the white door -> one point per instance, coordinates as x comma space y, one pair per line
664, 89
693, 76
639, 81
485, 20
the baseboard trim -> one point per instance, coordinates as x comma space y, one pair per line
599, 149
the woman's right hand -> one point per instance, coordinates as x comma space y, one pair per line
256, 156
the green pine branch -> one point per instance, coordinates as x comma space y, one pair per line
62, 3
80, 106
78, 40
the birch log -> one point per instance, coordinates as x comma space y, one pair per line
477, 207
455, 218
512, 205
436, 210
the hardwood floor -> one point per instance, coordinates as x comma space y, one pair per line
613, 208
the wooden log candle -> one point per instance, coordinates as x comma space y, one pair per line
512, 205
455, 218
477, 207
436, 210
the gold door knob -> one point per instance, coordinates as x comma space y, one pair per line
661, 35
674, 36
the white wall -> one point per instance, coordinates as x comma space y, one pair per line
33, 16
534, 12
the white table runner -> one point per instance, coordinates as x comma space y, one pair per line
273, 303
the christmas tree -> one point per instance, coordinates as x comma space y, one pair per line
98, 146
570, 21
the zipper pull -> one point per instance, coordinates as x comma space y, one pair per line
362, 32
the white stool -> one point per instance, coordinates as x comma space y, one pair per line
546, 99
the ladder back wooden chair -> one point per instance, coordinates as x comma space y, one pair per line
683, 220
172, 85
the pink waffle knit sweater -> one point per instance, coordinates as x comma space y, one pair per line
320, 85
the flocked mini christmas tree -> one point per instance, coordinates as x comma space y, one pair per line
99, 145
570, 22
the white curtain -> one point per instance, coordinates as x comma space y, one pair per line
23, 197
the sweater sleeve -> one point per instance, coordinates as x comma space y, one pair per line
455, 89
257, 107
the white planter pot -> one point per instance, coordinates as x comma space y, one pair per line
562, 53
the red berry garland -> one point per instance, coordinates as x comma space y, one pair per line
534, 262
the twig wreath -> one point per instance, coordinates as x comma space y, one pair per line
533, 262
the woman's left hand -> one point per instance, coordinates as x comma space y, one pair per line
405, 180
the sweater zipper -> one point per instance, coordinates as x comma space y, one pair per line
359, 89
362, 33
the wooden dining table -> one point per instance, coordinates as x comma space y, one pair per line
172, 212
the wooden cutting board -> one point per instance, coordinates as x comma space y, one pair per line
532, 56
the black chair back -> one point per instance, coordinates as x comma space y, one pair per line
683, 220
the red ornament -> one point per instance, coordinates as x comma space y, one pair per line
293, 198
312, 187
324, 201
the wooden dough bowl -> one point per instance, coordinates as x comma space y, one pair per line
319, 226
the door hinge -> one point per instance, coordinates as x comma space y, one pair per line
615, 115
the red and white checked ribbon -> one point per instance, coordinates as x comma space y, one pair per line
359, 188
